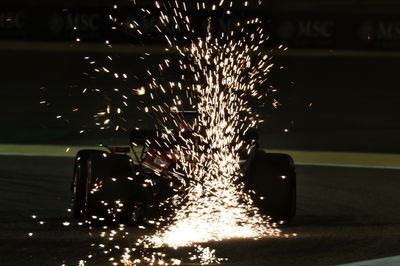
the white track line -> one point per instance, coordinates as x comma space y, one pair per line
349, 166
388, 261
37, 155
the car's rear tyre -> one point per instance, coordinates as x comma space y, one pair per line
272, 176
109, 191
80, 181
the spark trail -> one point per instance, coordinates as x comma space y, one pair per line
220, 77
225, 70
216, 206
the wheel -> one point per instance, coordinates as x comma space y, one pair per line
105, 190
272, 176
111, 191
79, 182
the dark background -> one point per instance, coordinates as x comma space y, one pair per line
337, 83
338, 88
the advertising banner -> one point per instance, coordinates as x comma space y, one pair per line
131, 25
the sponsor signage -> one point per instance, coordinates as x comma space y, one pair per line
382, 33
306, 31
71, 24
297, 30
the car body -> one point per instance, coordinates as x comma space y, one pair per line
132, 183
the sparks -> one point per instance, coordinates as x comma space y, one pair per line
219, 77
213, 204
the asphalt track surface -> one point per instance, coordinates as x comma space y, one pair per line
344, 215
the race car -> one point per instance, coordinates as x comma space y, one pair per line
131, 183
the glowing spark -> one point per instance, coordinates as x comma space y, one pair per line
140, 91
66, 223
